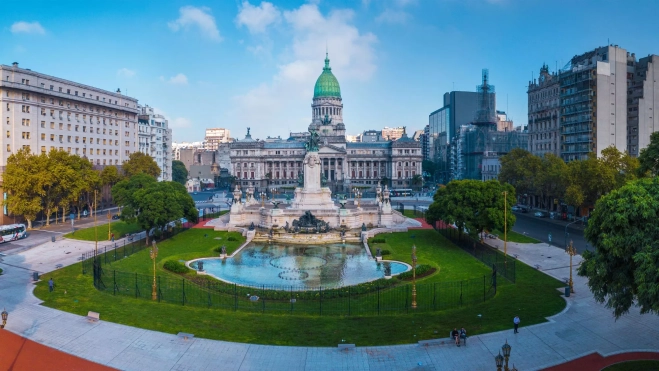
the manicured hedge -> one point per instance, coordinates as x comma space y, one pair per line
378, 240
232, 238
176, 266
421, 270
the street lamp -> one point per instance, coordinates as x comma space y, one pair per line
154, 253
572, 252
109, 226
565, 235
499, 360
4, 318
413, 276
506, 354
263, 196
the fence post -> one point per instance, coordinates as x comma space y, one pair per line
291, 299
183, 297
263, 298
136, 289
114, 282
209, 293
348, 300
484, 288
159, 290
407, 291
378, 299
105, 254
321, 300
434, 296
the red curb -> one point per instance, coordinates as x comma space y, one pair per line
18, 353
424, 225
596, 362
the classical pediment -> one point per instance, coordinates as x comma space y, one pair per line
330, 149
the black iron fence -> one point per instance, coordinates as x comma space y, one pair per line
109, 252
369, 299
503, 265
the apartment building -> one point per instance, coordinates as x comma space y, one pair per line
42, 112
544, 113
215, 136
155, 140
642, 102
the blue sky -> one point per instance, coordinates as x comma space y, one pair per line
236, 64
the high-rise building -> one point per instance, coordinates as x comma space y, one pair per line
215, 136
544, 113
642, 102
392, 133
593, 102
155, 140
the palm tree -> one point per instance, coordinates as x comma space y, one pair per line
417, 181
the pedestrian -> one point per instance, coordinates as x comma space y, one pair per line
112, 236
456, 335
516, 323
51, 284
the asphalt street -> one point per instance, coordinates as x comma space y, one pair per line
542, 228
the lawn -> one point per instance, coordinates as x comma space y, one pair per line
512, 236
119, 228
533, 298
647, 365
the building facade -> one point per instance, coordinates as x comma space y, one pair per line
593, 102
215, 136
544, 114
279, 163
155, 140
642, 101
43, 112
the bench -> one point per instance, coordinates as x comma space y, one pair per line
184, 335
346, 347
93, 316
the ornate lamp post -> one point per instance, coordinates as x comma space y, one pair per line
413, 276
263, 196
154, 253
499, 360
274, 192
506, 354
109, 226
4, 318
358, 195
572, 252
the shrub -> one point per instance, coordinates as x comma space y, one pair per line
421, 270
232, 238
385, 252
378, 240
0, 271
176, 266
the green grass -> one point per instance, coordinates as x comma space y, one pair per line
0, 271
646, 365
512, 236
119, 228
533, 298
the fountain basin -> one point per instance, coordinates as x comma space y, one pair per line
298, 267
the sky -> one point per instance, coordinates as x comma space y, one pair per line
238, 64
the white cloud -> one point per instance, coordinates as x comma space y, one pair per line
268, 108
179, 79
190, 16
27, 27
125, 72
180, 123
393, 17
257, 18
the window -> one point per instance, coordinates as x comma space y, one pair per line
8, 133
43, 124
8, 145
43, 136
52, 125
43, 149
52, 137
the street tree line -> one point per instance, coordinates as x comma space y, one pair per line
60, 183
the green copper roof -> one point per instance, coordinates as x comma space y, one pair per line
327, 85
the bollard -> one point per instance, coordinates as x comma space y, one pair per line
567, 291
52, 238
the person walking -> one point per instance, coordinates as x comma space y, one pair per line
516, 323
51, 284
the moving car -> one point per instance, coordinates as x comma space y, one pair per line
517, 208
540, 214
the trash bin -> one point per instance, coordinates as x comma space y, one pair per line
52, 238
35, 276
567, 291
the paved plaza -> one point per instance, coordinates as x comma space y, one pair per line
582, 328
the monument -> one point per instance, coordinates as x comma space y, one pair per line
312, 195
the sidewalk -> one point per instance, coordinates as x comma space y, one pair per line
582, 328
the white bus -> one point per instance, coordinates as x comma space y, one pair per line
12, 232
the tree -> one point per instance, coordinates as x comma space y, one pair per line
473, 206
550, 182
139, 162
110, 175
417, 181
385, 181
649, 157
623, 228
153, 204
179, 172
21, 182
518, 168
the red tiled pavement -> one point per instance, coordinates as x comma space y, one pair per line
18, 353
424, 225
596, 362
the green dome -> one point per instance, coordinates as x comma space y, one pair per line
327, 85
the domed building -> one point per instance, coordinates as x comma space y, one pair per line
278, 163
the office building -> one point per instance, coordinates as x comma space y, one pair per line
215, 136
643, 101
155, 140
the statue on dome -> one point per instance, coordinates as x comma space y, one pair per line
326, 121
248, 130
314, 140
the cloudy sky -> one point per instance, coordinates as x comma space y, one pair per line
234, 64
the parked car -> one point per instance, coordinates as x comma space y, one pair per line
115, 217
540, 214
517, 208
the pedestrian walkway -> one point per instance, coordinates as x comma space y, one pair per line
582, 328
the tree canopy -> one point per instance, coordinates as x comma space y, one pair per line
139, 162
153, 204
649, 157
623, 228
21, 182
473, 205
179, 172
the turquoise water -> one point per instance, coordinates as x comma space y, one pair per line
300, 267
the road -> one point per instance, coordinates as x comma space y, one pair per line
541, 228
